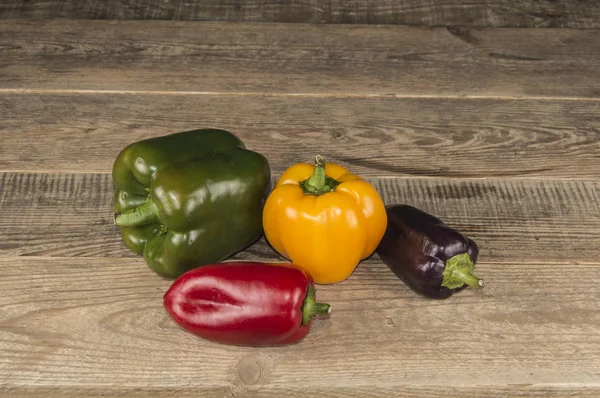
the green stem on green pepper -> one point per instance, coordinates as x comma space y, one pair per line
146, 213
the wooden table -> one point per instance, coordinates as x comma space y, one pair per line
487, 115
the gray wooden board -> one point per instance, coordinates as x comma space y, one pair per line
371, 136
74, 323
491, 13
556, 221
428, 115
297, 58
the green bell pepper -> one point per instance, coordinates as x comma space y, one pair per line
188, 199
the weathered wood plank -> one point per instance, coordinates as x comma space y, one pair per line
251, 391
70, 215
491, 13
298, 58
100, 322
373, 136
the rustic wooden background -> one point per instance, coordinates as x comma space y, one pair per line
486, 114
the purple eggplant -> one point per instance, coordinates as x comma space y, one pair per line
431, 258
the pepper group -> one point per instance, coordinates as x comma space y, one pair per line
189, 201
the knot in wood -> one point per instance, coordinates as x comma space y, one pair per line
252, 369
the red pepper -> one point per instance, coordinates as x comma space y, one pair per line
245, 303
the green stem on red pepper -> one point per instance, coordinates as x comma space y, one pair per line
312, 308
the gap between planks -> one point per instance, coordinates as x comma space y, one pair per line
545, 390
382, 177
285, 95
373, 260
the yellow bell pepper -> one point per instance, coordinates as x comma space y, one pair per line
324, 219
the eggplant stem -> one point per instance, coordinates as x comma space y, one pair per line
468, 279
459, 272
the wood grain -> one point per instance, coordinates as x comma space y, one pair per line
371, 136
100, 322
298, 58
491, 13
399, 391
70, 215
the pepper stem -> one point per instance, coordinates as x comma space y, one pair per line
312, 308
319, 183
458, 272
317, 180
146, 213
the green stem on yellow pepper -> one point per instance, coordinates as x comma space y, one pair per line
317, 180
319, 183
